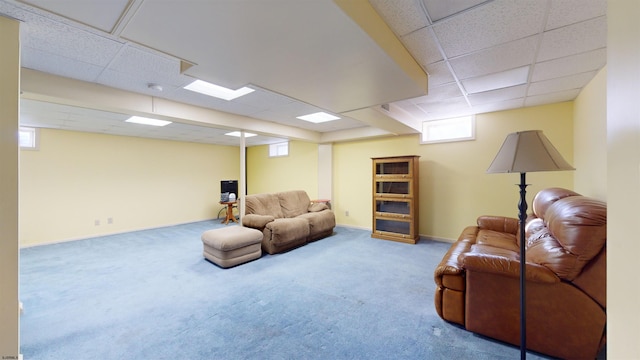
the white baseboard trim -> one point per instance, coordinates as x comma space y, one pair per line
113, 233
354, 227
436, 238
422, 237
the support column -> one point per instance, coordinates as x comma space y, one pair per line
242, 193
623, 178
325, 175
9, 152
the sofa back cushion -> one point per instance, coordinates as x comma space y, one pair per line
546, 197
575, 232
293, 203
263, 204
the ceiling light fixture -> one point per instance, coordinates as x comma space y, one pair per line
318, 117
237, 134
147, 121
217, 91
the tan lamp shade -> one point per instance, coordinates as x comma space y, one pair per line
527, 151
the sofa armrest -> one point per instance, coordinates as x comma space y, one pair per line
315, 207
256, 221
502, 265
499, 223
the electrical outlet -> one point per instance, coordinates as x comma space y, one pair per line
109, 220
97, 223
346, 213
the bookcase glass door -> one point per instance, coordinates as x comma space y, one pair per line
393, 187
392, 168
393, 207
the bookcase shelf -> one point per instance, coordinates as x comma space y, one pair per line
395, 198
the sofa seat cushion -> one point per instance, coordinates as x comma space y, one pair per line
497, 239
319, 222
287, 230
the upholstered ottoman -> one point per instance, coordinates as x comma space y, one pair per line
231, 246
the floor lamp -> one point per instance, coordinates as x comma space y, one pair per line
524, 152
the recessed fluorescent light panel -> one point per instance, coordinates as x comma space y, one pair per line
500, 80
147, 121
318, 117
237, 134
218, 91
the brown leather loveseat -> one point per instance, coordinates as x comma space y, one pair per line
478, 278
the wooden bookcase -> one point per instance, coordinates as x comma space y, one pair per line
395, 198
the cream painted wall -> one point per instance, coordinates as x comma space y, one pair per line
298, 171
77, 178
623, 178
590, 136
454, 188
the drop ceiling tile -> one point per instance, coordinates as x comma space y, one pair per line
496, 81
550, 98
560, 84
133, 83
422, 44
496, 22
402, 17
500, 95
566, 12
147, 66
495, 59
498, 106
412, 109
589, 61
459, 103
439, 9
439, 74
574, 39
70, 42
58, 65
101, 14
448, 113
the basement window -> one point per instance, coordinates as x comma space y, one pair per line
279, 149
28, 138
449, 130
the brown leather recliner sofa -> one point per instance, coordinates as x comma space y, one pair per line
478, 282
287, 219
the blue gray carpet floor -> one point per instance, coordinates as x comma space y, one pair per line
151, 295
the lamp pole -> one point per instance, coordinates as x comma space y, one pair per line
522, 215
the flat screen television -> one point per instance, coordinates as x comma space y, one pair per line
229, 186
